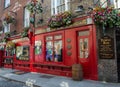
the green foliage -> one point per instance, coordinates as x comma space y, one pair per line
34, 8
25, 32
62, 19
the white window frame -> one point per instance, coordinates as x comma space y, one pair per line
54, 4
6, 3
6, 28
117, 4
103, 3
26, 18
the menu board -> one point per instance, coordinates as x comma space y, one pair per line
106, 47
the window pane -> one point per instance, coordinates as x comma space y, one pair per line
80, 48
58, 37
58, 51
103, 3
7, 3
68, 5
7, 28
26, 18
49, 51
49, 38
83, 33
22, 52
83, 48
38, 47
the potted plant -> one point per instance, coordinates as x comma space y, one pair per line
62, 19
25, 32
34, 7
7, 18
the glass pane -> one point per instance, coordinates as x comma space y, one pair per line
49, 51
38, 47
49, 38
22, 52
83, 33
7, 3
58, 2
103, 3
86, 47
68, 5
58, 37
58, 51
83, 48
19, 50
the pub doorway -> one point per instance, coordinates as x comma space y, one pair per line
85, 53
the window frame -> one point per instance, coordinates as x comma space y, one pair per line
53, 40
54, 5
8, 28
6, 5
24, 18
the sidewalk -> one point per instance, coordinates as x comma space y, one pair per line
46, 80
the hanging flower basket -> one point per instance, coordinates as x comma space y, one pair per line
25, 32
63, 19
7, 18
107, 17
34, 7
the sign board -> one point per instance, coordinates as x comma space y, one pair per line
106, 47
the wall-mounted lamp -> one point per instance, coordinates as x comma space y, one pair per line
80, 8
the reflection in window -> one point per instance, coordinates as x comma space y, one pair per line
54, 49
58, 51
49, 51
38, 47
22, 52
84, 50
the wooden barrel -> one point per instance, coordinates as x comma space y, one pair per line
77, 73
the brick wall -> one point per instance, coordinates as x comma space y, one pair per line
46, 12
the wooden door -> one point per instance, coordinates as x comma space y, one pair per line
84, 54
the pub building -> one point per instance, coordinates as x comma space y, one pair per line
55, 48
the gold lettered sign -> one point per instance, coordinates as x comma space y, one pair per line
106, 47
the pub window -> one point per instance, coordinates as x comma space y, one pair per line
22, 52
38, 47
54, 48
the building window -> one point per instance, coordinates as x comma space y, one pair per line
59, 6
7, 28
116, 3
54, 48
6, 3
26, 18
102, 3
22, 52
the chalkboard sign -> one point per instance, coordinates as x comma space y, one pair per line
106, 47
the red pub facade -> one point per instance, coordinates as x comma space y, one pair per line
54, 50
